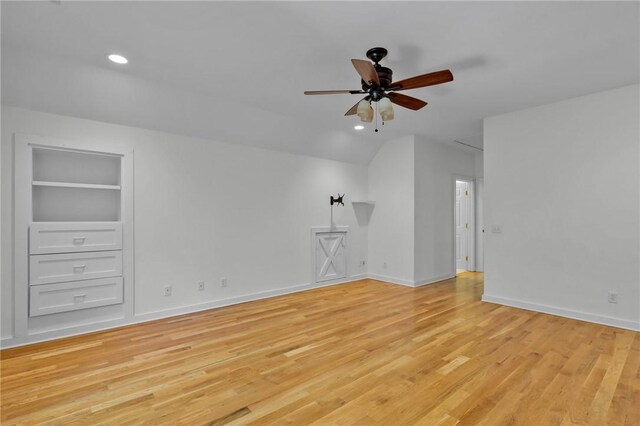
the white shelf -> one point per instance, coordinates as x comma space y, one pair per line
74, 185
372, 203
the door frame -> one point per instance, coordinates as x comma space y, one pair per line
471, 214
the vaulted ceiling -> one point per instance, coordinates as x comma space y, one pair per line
235, 71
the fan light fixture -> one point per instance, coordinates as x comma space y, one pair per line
386, 109
365, 112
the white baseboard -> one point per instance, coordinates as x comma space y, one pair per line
166, 313
562, 312
10, 342
410, 283
434, 280
392, 280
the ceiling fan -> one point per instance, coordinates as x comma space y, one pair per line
378, 86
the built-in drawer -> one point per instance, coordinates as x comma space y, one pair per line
62, 297
67, 237
55, 268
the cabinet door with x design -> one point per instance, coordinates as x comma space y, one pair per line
331, 256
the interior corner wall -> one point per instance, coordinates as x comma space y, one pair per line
563, 184
437, 165
204, 210
479, 225
479, 204
478, 160
391, 176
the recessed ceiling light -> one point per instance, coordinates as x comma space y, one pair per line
118, 59
358, 127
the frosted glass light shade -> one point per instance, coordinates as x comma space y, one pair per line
386, 109
365, 112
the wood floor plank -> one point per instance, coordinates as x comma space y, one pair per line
363, 353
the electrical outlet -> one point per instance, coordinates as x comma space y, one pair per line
613, 297
362, 263
496, 229
200, 285
223, 282
167, 290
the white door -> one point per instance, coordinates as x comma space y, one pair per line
331, 256
462, 225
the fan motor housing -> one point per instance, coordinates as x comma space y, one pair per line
384, 75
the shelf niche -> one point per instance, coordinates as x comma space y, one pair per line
75, 186
60, 204
55, 165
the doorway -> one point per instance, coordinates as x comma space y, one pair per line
464, 225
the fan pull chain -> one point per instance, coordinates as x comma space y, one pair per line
376, 117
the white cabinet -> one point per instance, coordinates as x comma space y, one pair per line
68, 237
55, 298
55, 268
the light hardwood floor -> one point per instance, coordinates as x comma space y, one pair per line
361, 353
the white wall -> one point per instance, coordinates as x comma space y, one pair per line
480, 226
205, 210
479, 196
412, 181
563, 182
391, 227
436, 166
478, 159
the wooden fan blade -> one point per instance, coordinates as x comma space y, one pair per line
354, 109
366, 71
332, 92
424, 80
406, 101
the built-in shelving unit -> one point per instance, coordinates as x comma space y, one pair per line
76, 215
73, 259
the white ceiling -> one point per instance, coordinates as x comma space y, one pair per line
235, 72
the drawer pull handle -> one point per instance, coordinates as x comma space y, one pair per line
78, 268
79, 240
79, 296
